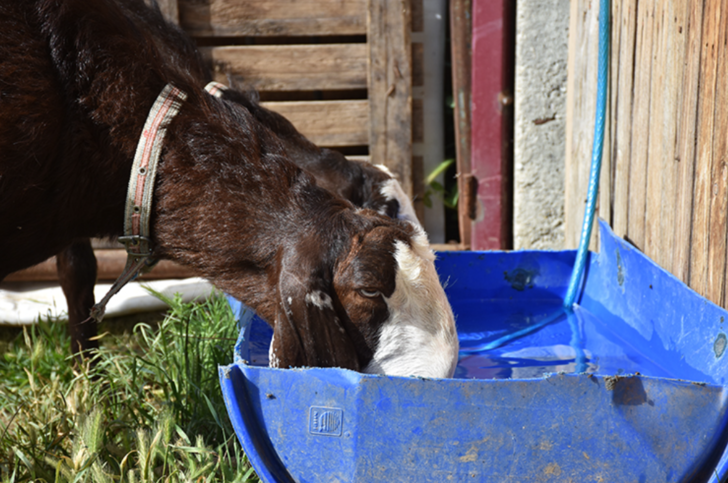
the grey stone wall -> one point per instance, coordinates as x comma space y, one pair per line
542, 31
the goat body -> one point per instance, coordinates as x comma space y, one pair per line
341, 286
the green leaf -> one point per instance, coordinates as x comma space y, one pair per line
452, 200
438, 170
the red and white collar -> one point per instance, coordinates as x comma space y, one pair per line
216, 89
144, 171
141, 191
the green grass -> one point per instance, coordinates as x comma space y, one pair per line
148, 408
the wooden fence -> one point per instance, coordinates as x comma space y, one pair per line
665, 174
339, 71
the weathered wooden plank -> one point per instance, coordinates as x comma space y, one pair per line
390, 89
606, 180
110, 263
361, 158
704, 148
716, 266
447, 247
685, 145
623, 112
580, 110
291, 67
658, 144
641, 123
226, 18
674, 69
328, 123
577, 19
460, 42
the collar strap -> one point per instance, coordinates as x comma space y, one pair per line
141, 190
216, 89
144, 171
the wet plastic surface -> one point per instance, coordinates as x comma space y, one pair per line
635, 389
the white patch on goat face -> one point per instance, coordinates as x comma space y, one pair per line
419, 338
319, 299
273, 360
392, 190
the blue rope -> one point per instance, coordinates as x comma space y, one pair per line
593, 189
494, 344
596, 162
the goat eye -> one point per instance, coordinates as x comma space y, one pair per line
369, 294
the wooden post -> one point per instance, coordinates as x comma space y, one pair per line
461, 27
685, 142
580, 110
703, 193
621, 83
390, 87
492, 122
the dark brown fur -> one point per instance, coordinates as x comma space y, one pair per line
356, 181
77, 79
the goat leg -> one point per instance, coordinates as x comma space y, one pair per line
76, 266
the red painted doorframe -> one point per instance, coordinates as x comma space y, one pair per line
492, 122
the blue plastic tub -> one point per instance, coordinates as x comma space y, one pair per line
630, 387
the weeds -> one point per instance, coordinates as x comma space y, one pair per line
148, 408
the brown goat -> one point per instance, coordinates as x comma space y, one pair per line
340, 286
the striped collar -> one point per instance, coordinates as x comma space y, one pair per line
141, 191
216, 89
144, 171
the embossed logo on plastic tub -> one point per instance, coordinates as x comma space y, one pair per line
325, 421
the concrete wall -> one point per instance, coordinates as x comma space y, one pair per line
428, 102
542, 34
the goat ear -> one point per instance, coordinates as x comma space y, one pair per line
308, 331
